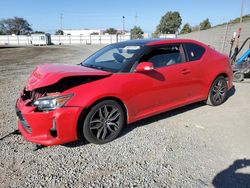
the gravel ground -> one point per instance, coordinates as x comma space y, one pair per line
193, 146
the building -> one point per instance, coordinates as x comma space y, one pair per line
84, 32
40, 39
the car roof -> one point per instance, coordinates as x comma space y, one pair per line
170, 41
139, 42
152, 42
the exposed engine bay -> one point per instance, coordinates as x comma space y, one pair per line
55, 89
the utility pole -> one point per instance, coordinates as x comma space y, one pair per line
123, 24
136, 19
61, 18
241, 11
224, 39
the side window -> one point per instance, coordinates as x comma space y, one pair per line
194, 51
165, 55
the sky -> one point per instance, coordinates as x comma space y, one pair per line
101, 14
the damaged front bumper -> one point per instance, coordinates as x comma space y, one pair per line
47, 128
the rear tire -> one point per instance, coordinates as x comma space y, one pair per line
103, 122
218, 92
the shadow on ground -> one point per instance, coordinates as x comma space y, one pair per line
231, 92
231, 178
161, 116
153, 119
146, 121
2, 47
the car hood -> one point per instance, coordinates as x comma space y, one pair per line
48, 74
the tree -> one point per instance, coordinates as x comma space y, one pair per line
205, 24
59, 32
186, 29
136, 33
169, 23
94, 33
196, 28
38, 32
111, 31
16, 25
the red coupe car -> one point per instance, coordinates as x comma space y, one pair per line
119, 84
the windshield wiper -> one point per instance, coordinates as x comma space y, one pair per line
92, 66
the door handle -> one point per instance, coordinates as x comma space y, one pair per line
185, 71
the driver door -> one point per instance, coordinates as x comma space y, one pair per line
164, 87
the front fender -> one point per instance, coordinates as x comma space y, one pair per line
87, 94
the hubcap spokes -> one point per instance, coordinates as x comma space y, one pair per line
105, 122
219, 91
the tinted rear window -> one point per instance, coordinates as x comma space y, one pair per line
194, 51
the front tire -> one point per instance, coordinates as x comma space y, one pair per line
218, 92
103, 122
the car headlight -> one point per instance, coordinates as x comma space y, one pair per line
51, 102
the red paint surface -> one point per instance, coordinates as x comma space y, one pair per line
48, 74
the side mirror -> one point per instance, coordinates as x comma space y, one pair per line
144, 66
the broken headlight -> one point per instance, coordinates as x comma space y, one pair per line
51, 102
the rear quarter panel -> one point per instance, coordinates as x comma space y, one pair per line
216, 64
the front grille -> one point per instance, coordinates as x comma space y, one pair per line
24, 123
30, 96
26, 95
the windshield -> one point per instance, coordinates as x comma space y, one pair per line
111, 58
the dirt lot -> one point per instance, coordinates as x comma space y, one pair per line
193, 146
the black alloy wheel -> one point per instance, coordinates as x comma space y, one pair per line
104, 122
218, 92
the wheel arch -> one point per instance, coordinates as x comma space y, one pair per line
225, 75
210, 83
86, 110
222, 74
